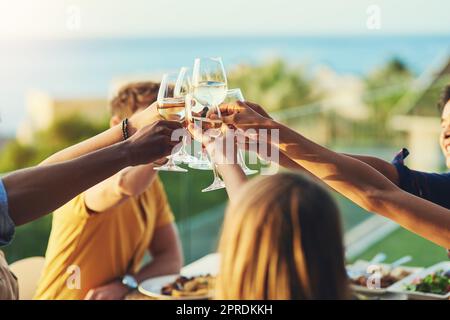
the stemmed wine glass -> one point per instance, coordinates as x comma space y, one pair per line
183, 88
234, 95
201, 162
209, 88
171, 107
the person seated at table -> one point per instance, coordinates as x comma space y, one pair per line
106, 231
357, 180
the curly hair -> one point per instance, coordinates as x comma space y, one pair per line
132, 97
444, 98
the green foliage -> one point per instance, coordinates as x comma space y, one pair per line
386, 86
393, 72
61, 134
16, 155
30, 240
275, 83
70, 130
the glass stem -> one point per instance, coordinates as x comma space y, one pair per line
203, 154
240, 158
184, 143
171, 162
214, 168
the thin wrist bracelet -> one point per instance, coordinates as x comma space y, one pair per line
125, 134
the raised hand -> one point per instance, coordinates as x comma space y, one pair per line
144, 118
152, 142
244, 115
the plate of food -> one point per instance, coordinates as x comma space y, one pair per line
178, 287
432, 283
366, 283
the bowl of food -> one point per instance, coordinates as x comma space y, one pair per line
376, 279
178, 287
432, 283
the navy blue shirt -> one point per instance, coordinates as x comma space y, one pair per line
434, 187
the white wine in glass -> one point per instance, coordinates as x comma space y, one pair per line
182, 92
170, 107
209, 83
210, 92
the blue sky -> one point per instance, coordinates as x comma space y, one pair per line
109, 18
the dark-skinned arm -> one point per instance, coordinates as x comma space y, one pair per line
34, 192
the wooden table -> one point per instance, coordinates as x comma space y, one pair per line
209, 264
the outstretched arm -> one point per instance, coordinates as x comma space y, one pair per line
34, 192
368, 188
355, 179
106, 138
382, 166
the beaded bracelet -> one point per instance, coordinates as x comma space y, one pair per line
125, 129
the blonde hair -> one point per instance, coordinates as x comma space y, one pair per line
282, 240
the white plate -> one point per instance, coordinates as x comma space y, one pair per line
152, 288
399, 287
362, 265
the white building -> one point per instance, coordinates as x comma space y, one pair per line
42, 110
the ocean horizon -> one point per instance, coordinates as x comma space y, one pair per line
85, 67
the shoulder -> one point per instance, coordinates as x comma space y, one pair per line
156, 189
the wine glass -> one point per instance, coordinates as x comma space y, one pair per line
234, 95
209, 84
183, 88
170, 107
202, 162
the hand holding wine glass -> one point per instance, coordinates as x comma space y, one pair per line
144, 118
151, 142
232, 96
244, 115
170, 106
209, 83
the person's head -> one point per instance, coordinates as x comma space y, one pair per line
282, 239
444, 108
132, 98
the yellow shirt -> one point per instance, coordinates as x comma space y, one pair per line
86, 251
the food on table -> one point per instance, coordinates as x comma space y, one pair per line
190, 287
388, 277
437, 283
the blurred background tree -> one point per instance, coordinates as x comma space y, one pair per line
385, 86
276, 83
61, 134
